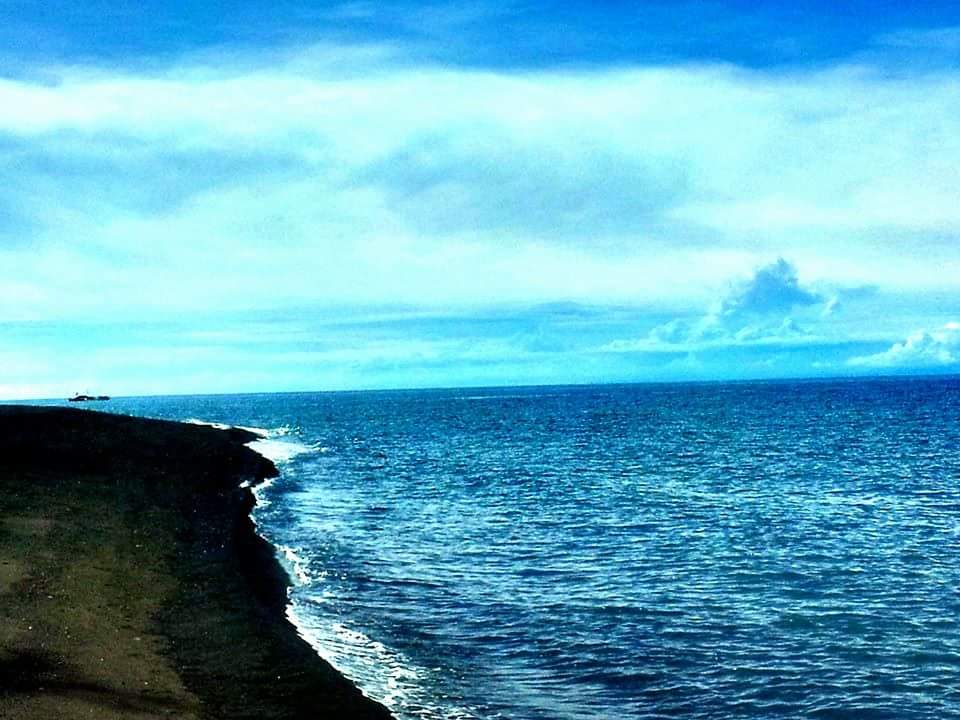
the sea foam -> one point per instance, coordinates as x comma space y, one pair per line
381, 672
273, 443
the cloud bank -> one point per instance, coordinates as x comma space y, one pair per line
351, 174
937, 349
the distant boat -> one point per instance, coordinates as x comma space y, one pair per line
88, 398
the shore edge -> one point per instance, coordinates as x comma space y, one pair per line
217, 592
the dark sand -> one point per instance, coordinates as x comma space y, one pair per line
133, 585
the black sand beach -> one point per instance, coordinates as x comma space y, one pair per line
133, 584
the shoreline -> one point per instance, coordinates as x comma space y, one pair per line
133, 581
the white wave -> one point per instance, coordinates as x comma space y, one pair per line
295, 565
197, 421
259, 494
279, 451
269, 445
267, 432
263, 432
380, 672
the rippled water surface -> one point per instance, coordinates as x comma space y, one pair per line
701, 551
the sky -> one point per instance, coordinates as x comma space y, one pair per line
255, 197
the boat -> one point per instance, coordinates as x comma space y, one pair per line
88, 398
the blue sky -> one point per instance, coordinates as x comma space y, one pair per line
253, 197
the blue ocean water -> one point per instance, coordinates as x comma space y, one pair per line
750, 550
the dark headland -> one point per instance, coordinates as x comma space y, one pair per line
133, 584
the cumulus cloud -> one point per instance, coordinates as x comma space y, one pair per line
772, 290
758, 310
940, 348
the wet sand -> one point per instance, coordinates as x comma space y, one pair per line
132, 583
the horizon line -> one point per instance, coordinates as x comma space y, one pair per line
806, 379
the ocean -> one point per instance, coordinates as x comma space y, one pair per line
744, 550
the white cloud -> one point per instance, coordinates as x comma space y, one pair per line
773, 289
758, 310
350, 174
922, 349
